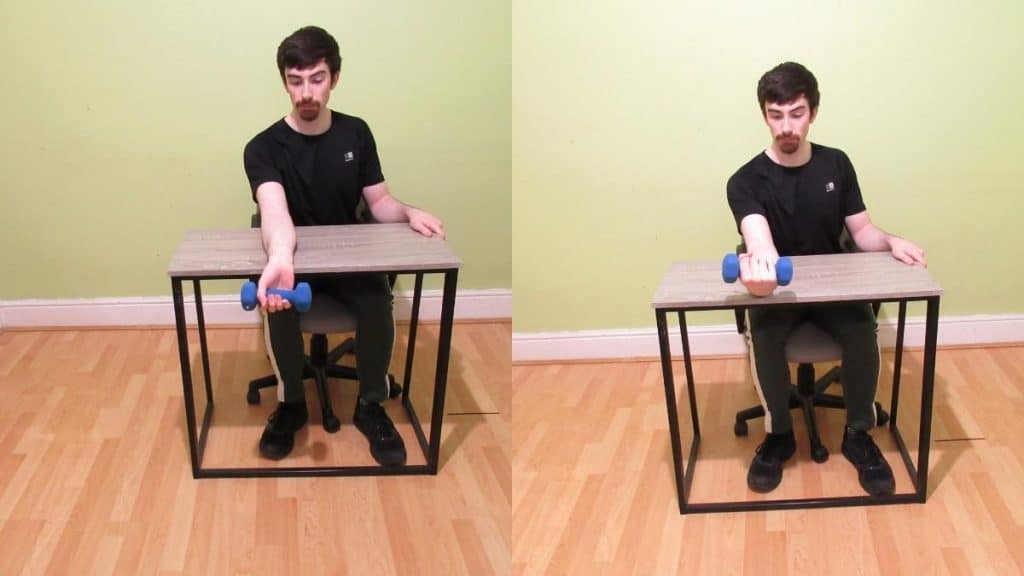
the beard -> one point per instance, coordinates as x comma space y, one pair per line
308, 111
788, 145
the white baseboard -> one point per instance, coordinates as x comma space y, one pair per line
218, 310
722, 340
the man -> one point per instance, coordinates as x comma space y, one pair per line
312, 168
795, 198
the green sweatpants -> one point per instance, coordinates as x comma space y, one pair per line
853, 326
369, 298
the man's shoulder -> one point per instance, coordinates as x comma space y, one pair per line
342, 121
268, 135
752, 168
820, 151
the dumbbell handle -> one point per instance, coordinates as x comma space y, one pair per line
731, 269
301, 297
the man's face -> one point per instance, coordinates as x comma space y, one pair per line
789, 123
310, 89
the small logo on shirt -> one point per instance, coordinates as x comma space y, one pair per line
350, 157
830, 187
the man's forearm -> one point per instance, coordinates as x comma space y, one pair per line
757, 236
278, 240
389, 209
871, 238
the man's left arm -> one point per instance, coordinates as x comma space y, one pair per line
871, 238
387, 208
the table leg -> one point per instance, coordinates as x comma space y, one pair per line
897, 368
927, 396
670, 403
444, 342
413, 323
201, 324
186, 374
688, 365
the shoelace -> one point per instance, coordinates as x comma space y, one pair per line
872, 454
276, 416
775, 448
382, 425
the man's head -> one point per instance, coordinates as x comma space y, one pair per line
788, 95
309, 63
307, 46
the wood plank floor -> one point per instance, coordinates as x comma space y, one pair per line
546, 469
595, 492
95, 475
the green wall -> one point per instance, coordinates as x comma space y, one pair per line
573, 148
124, 124
631, 116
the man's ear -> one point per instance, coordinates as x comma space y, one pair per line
334, 79
814, 114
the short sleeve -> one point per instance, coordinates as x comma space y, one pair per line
742, 200
853, 202
369, 170
259, 164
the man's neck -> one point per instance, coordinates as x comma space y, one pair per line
315, 127
801, 156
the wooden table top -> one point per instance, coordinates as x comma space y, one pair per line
862, 276
356, 248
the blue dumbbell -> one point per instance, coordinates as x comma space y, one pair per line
731, 269
301, 297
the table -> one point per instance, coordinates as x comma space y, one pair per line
858, 277
321, 250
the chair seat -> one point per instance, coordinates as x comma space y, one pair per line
809, 344
327, 315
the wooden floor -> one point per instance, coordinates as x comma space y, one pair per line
595, 492
95, 475
546, 469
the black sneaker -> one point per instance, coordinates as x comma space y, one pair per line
386, 445
766, 470
279, 436
872, 470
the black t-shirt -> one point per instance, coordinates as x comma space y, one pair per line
805, 206
324, 175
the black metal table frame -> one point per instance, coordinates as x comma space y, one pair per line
918, 474
431, 449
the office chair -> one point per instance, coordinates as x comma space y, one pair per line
326, 315
807, 345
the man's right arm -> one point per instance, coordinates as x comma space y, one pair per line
757, 266
278, 233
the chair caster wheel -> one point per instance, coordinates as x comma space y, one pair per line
331, 423
740, 429
819, 454
253, 396
394, 388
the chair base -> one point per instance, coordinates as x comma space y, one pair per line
807, 395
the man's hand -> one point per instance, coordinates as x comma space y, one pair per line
757, 273
276, 274
906, 251
424, 222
